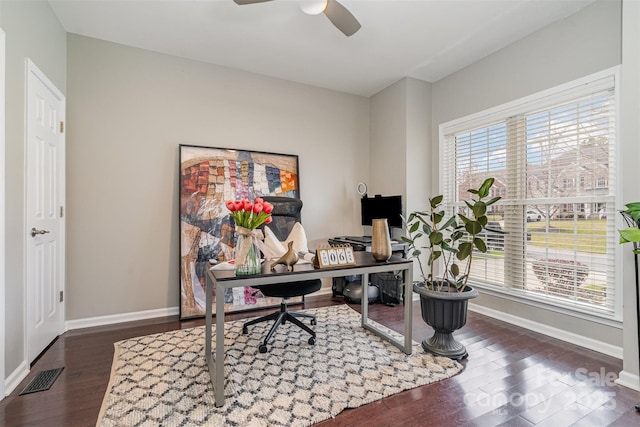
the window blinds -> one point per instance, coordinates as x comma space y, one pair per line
553, 161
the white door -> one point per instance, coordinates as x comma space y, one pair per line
44, 212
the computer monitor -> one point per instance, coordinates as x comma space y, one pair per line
389, 207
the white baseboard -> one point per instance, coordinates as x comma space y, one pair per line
629, 380
590, 343
16, 377
120, 318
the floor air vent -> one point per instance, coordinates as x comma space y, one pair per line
42, 381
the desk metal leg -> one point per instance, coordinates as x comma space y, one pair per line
219, 377
207, 335
406, 345
364, 301
408, 310
215, 362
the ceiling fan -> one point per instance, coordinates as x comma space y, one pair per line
337, 13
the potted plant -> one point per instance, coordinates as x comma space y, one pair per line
631, 234
631, 216
451, 242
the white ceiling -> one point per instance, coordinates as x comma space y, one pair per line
425, 39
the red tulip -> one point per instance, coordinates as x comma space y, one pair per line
250, 214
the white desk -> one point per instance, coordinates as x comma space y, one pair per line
365, 265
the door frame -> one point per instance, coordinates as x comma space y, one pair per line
2, 214
32, 69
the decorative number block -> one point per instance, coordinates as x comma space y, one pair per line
334, 256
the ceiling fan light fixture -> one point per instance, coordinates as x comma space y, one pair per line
339, 15
313, 7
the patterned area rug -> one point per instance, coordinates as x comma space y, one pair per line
162, 379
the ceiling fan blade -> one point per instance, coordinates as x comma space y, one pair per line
341, 18
242, 2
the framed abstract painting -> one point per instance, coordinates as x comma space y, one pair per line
209, 177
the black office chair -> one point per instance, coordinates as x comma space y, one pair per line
286, 212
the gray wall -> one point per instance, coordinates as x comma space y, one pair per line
388, 144
418, 173
128, 109
32, 31
399, 145
584, 43
388, 140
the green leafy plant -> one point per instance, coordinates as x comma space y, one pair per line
631, 216
451, 240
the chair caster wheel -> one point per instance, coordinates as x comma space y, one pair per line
262, 348
313, 321
245, 331
312, 340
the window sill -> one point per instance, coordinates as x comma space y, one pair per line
604, 318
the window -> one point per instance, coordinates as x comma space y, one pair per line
601, 183
542, 152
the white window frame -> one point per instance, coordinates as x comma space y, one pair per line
602, 183
528, 103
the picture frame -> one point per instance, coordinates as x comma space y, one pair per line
208, 177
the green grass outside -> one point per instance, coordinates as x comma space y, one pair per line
591, 235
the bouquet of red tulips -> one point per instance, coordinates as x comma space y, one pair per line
250, 215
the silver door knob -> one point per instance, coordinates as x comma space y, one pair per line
35, 232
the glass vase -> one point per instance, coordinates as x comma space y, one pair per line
247, 256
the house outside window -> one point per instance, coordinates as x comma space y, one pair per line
560, 243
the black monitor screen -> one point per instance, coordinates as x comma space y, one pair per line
389, 207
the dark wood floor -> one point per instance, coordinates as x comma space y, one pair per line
512, 377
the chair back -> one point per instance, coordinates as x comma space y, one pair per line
286, 212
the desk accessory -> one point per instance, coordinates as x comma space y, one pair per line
248, 216
380, 240
361, 188
333, 256
288, 259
